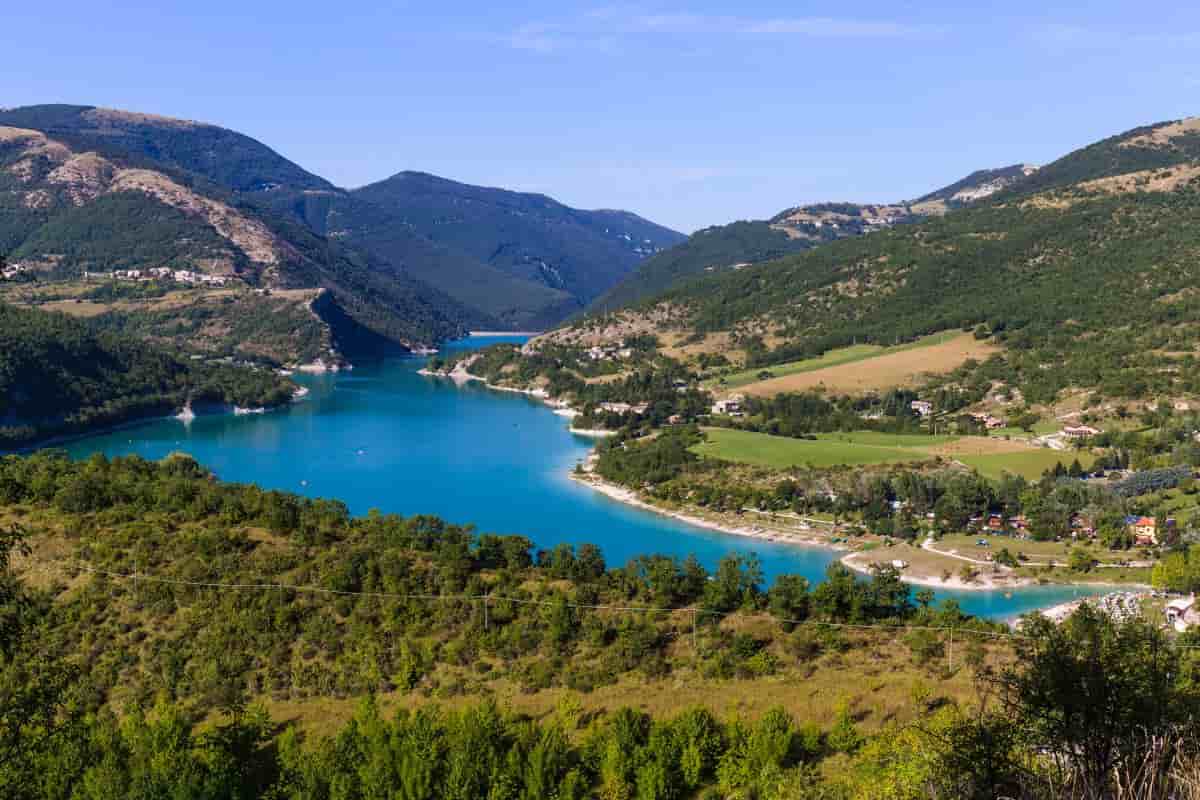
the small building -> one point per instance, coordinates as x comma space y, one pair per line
923, 408
994, 523
1143, 529
899, 564
1182, 613
731, 406
675, 419
1083, 526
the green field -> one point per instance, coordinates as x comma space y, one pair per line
870, 447
827, 451
834, 358
1030, 464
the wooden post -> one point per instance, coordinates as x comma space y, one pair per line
485, 610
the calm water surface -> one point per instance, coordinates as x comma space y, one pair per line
384, 437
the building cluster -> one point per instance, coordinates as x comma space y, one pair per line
184, 276
625, 408
609, 353
1143, 530
988, 421
1080, 432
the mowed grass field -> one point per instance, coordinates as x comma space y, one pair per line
828, 450
1029, 463
991, 457
866, 367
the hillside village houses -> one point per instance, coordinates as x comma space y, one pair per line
607, 353
625, 408
185, 276
923, 408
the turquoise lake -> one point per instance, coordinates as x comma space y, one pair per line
382, 436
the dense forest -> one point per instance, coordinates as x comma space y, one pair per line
116, 686
58, 375
708, 250
523, 259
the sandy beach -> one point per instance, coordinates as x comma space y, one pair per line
861, 563
629, 496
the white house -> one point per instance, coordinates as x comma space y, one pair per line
923, 407
1182, 613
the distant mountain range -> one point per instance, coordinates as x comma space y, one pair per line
797, 229
409, 261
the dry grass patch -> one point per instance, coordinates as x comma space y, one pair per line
886, 371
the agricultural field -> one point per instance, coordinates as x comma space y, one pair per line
992, 457
827, 450
1029, 463
866, 367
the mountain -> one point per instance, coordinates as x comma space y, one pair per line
1085, 272
86, 189
403, 263
525, 260
708, 250
797, 229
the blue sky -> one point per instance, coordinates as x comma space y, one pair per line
688, 113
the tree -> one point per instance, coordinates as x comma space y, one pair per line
1080, 560
37, 712
1091, 692
788, 599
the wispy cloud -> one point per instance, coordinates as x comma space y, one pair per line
1083, 37
604, 29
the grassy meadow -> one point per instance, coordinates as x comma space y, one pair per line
992, 458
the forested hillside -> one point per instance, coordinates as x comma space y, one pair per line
714, 249
523, 259
175, 636
1087, 283
795, 230
58, 375
96, 190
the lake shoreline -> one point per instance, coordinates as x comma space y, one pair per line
629, 497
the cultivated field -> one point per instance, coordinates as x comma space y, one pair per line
867, 367
992, 457
826, 451
1028, 463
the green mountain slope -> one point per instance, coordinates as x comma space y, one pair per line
411, 260
524, 259
60, 375
795, 230
92, 190
1087, 284
712, 249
